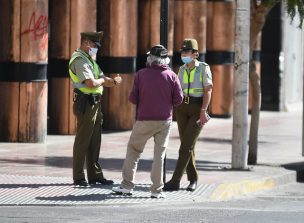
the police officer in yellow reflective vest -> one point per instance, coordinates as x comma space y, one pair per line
196, 81
88, 81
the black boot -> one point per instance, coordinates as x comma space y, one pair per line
81, 183
171, 186
192, 186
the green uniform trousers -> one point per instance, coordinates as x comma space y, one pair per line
187, 115
87, 141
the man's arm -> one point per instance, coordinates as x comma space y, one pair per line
103, 81
93, 83
134, 94
206, 97
206, 100
177, 92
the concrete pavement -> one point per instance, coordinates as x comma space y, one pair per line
40, 174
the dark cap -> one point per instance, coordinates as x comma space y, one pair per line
159, 51
93, 36
189, 44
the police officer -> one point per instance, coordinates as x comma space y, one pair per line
196, 81
88, 81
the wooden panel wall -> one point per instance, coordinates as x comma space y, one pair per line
130, 28
190, 21
220, 55
118, 20
60, 91
68, 19
24, 40
149, 25
10, 52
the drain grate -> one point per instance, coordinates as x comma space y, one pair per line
43, 190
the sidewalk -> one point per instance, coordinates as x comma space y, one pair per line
40, 174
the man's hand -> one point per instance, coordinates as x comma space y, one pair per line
117, 79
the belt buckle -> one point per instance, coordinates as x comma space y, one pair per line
187, 100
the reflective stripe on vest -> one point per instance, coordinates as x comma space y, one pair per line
196, 88
75, 79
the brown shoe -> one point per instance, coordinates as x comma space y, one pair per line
171, 186
192, 186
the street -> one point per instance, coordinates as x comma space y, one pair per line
69, 74
282, 204
37, 188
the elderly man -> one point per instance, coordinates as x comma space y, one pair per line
155, 91
88, 81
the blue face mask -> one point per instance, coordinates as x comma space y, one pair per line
93, 51
186, 60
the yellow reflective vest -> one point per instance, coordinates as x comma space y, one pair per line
76, 82
192, 84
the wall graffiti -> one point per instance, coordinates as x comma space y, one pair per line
44, 41
39, 27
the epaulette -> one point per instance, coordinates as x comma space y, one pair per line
205, 63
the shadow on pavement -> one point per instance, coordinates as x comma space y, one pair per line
90, 197
298, 167
215, 140
114, 164
86, 197
14, 186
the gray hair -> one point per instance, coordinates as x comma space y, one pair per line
151, 59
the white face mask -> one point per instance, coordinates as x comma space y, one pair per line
93, 51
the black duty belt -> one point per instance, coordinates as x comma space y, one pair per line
92, 98
77, 91
192, 100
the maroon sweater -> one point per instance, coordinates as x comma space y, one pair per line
156, 89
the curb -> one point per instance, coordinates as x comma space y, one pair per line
226, 191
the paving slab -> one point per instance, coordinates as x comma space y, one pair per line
40, 174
